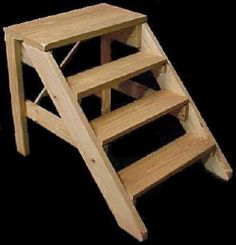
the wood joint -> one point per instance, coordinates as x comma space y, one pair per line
131, 36
182, 114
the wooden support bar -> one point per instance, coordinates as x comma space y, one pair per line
24, 57
70, 55
134, 89
131, 36
88, 144
105, 57
42, 94
48, 120
63, 64
13, 48
195, 124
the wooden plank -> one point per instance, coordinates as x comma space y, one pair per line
134, 115
217, 164
76, 25
112, 73
105, 58
13, 49
87, 143
131, 36
147, 172
134, 89
24, 57
48, 120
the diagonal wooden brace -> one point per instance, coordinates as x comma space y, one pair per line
217, 163
87, 143
63, 64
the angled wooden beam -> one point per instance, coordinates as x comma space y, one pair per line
217, 163
13, 48
48, 120
63, 64
87, 143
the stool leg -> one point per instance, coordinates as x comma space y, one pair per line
106, 57
13, 48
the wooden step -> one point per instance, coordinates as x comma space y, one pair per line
127, 118
157, 166
112, 73
80, 24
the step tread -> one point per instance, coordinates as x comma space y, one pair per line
157, 166
127, 118
76, 25
93, 80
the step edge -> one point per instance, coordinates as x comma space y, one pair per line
210, 146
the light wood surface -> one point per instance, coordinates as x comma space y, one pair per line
13, 48
134, 89
105, 58
131, 36
144, 174
129, 117
195, 124
107, 75
55, 125
32, 43
87, 143
62, 29
25, 58
48, 120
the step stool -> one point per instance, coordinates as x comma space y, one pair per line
33, 42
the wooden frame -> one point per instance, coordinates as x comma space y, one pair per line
217, 163
168, 79
92, 152
119, 189
13, 48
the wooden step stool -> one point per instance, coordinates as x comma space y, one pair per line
32, 43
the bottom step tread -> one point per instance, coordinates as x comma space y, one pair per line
150, 170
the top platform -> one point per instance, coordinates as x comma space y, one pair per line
77, 25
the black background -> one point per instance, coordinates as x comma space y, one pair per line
50, 195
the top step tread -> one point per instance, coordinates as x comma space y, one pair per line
80, 24
155, 167
109, 74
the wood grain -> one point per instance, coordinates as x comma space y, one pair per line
129, 117
13, 48
217, 164
87, 143
134, 89
144, 174
77, 25
48, 120
105, 58
112, 73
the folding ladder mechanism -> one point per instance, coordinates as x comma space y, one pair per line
32, 43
